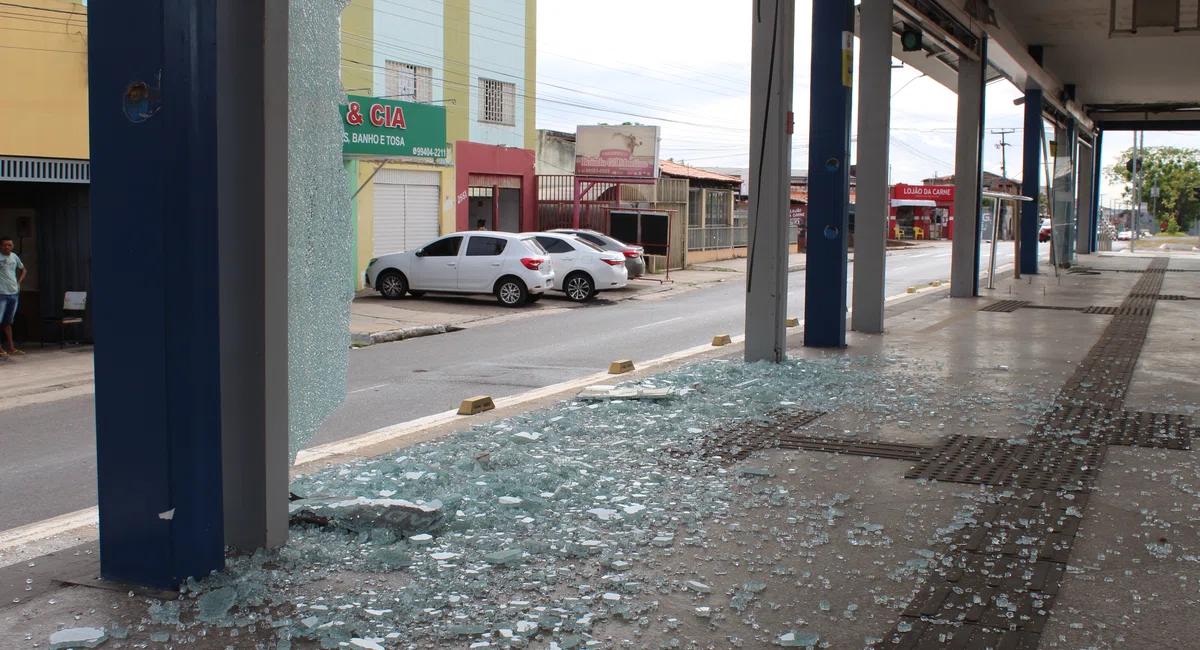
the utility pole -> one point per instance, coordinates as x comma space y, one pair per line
1003, 147
1137, 189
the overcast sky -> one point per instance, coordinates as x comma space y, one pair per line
685, 66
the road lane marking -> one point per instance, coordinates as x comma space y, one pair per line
367, 388
22, 535
661, 322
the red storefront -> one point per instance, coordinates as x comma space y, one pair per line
922, 212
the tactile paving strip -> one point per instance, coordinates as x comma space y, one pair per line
1118, 311
892, 450
1005, 306
966, 459
740, 439
1056, 464
995, 587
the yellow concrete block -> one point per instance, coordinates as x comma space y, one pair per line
912, 290
620, 367
474, 405
793, 322
723, 339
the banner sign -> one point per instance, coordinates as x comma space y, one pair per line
616, 151
924, 192
385, 128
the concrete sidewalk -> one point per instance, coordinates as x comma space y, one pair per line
1020, 476
44, 375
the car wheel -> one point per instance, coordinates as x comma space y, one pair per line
392, 285
533, 297
579, 287
511, 292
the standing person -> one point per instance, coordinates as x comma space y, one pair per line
12, 271
481, 225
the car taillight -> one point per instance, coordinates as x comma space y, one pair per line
632, 253
614, 262
533, 263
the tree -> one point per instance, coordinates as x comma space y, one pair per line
1176, 171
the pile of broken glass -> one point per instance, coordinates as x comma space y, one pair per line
540, 530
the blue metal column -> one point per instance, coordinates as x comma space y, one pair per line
152, 85
1031, 180
1097, 172
829, 173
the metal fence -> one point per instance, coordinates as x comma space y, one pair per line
721, 237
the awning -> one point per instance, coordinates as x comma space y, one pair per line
913, 203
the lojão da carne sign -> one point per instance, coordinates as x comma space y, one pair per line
375, 127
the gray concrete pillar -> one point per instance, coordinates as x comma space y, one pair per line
871, 210
964, 265
770, 178
252, 219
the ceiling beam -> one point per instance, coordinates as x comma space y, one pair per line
1009, 53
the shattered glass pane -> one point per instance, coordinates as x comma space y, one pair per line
549, 528
320, 273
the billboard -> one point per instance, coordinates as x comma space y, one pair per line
616, 151
924, 192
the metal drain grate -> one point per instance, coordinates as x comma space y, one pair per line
1006, 306
1175, 296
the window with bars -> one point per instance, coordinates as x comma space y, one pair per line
716, 208
497, 102
694, 208
410, 83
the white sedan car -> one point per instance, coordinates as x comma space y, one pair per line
515, 268
582, 267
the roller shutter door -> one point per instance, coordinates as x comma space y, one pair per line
406, 210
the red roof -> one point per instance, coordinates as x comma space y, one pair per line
801, 196
675, 169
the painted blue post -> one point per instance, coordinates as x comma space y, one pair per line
1098, 170
829, 174
152, 86
1031, 185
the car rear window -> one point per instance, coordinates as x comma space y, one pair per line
591, 238
533, 245
590, 245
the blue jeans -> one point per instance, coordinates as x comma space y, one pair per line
8, 308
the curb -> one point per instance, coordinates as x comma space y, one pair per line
388, 336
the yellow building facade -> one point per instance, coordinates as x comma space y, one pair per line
43, 67
448, 53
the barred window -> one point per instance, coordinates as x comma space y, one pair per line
497, 102
410, 83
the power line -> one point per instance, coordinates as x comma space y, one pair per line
396, 48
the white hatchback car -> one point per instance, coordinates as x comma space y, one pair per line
582, 267
515, 268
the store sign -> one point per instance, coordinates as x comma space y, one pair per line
924, 192
384, 128
616, 151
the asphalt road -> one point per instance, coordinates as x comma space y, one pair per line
48, 463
